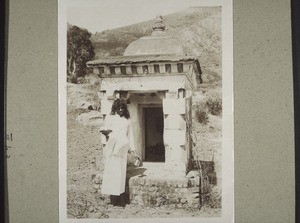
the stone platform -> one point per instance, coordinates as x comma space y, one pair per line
152, 185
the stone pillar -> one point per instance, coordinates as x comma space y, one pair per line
151, 68
189, 122
106, 70
106, 106
118, 70
106, 103
107, 99
174, 68
162, 68
175, 139
128, 70
139, 69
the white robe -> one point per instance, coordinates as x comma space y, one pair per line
119, 143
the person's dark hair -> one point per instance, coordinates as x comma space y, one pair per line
118, 103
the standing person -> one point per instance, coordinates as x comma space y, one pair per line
119, 135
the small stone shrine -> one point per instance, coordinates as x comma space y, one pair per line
157, 79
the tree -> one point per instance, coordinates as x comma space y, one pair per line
79, 51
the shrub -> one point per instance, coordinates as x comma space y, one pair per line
80, 80
202, 117
215, 197
72, 79
76, 203
201, 113
93, 80
214, 102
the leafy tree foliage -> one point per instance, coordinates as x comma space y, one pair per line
79, 50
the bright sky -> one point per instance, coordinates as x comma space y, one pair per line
99, 15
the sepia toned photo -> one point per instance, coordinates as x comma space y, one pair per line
146, 119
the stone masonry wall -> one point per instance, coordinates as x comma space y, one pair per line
156, 192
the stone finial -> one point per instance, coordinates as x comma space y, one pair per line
159, 24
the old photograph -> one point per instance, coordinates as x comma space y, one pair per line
146, 110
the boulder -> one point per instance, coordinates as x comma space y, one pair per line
192, 174
93, 118
88, 105
97, 178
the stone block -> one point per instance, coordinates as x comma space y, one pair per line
174, 138
106, 106
179, 205
118, 70
96, 70
174, 106
175, 122
92, 118
142, 181
183, 200
192, 202
180, 183
91, 209
172, 94
196, 181
139, 69
162, 68
151, 69
184, 190
96, 186
134, 201
193, 182
128, 70
157, 192
187, 67
192, 174
152, 188
174, 67
140, 201
184, 185
97, 178
106, 70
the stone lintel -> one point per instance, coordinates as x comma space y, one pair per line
145, 83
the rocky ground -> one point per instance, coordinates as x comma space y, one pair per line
84, 162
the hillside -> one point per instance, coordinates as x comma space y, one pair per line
197, 29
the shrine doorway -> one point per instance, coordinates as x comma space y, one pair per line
153, 119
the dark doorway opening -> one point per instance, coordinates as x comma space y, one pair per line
154, 129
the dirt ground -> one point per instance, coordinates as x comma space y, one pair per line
84, 158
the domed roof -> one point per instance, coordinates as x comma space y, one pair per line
159, 43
